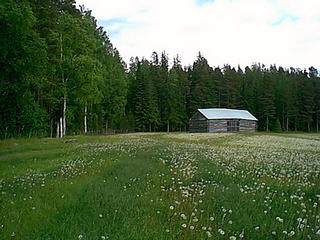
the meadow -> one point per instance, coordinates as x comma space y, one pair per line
161, 186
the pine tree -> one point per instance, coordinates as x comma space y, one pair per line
246, 91
307, 101
165, 93
232, 83
202, 85
268, 99
218, 81
276, 127
317, 102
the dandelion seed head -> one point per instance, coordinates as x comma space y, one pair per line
183, 216
290, 234
221, 231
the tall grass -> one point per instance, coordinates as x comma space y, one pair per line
161, 186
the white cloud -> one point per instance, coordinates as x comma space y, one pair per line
283, 32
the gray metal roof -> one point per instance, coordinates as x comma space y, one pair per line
224, 113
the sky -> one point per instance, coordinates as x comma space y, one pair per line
234, 32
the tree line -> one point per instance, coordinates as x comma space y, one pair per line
60, 74
163, 99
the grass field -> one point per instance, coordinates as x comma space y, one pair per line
161, 186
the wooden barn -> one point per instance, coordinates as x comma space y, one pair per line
222, 120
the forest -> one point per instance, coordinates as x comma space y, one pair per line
60, 75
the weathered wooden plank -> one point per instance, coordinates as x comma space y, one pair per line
222, 125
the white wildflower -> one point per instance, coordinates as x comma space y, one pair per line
279, 219
183, 216
290, 234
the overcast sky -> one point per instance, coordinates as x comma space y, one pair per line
281, 32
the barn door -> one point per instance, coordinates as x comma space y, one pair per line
233, 126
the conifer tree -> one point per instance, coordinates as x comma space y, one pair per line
202, 85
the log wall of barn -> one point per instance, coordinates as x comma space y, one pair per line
247, 126
217, 126
198, 126
198, 123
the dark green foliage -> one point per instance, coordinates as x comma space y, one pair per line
56, 64
280, 99
202, 85
59, 71
22, 54
144, 95
276, 126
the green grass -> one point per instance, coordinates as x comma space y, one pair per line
161, 186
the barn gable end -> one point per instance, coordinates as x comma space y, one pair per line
198, 123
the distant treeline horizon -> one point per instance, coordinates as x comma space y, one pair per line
275, 95
60, 75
